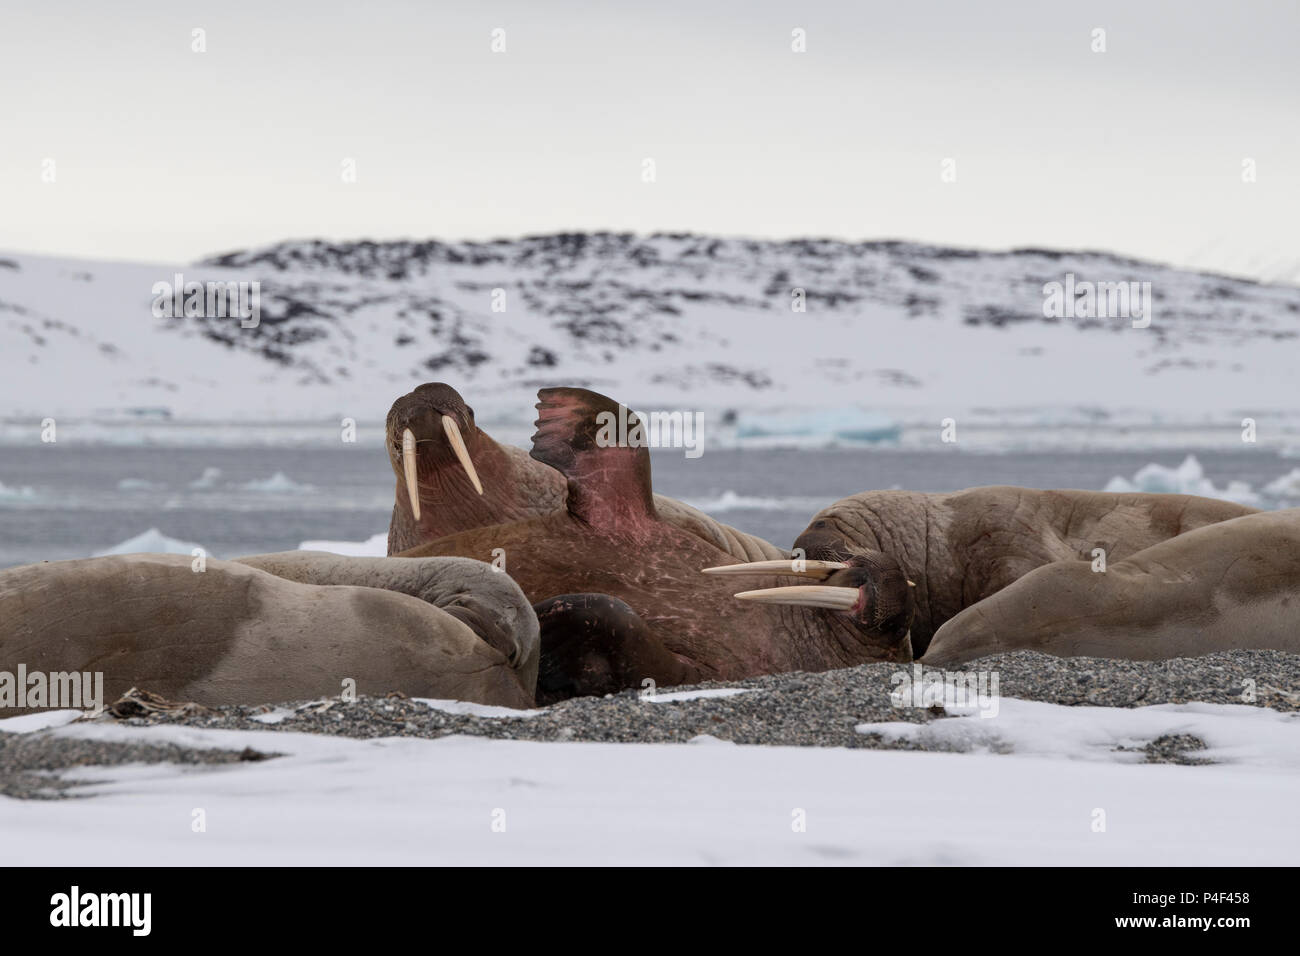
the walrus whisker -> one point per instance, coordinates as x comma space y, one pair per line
462, 453
820, 570
805, 595
408, 470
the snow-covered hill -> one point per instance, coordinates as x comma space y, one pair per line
664, 322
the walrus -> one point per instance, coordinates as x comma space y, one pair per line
961, 547
452, 476
474, 593
237, 634
618, 592
1233, 584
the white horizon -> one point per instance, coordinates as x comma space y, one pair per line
162, 153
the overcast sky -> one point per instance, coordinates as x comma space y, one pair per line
164, 154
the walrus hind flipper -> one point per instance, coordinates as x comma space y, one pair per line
594, 644
600, 448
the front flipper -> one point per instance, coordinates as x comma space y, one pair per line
594, 644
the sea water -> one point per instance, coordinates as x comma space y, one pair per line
59, 502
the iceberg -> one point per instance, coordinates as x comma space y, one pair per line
1187, 479
375, 546
277, 484
152, 541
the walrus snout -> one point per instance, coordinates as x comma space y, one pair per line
870, 586
888, 603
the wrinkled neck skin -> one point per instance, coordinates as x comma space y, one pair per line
514, 488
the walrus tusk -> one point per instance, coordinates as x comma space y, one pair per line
810, 569
458, 446
408, 469
806, 595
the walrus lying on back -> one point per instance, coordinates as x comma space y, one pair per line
236, 634
452, 477
617, 587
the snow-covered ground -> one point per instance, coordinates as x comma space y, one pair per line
892, 333
467, 800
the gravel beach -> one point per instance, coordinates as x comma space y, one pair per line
799, 709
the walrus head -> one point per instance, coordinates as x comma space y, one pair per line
431, 440
871, 587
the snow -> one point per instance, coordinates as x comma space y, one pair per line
1243, 736
277, 484
39, 720
375, 546
731, 501
152, 541
407, 801
15, 493
680, 695
666, 323
209, 479
137, 484
1287, 486
1187, 479
853, 425
477, 710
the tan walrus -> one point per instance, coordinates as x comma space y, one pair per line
1235, 584
957, 549
237, 634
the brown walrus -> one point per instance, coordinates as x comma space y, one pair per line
961, 547
1234, 584
452, 476
618, 589
236, 634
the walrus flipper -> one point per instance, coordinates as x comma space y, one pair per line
600, 449
595, 644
